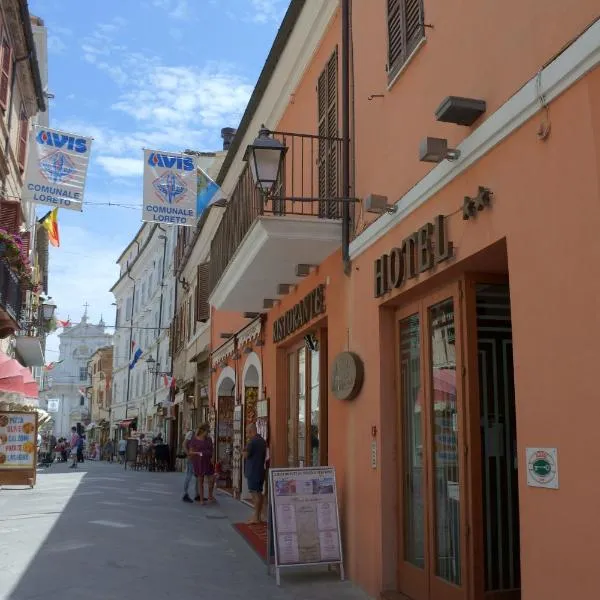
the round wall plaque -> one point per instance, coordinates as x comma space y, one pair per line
347, 376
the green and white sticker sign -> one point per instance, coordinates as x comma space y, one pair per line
542, 467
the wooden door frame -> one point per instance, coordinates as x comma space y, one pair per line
292, 385
408, 576
411, 580
473, 416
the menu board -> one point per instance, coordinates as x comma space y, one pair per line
305, 516
17, 440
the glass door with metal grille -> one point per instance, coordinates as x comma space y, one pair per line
433, 514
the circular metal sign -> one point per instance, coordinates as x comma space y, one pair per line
347, 375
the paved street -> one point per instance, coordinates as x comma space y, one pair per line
103, 533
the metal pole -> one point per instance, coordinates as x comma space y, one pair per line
160, 307
130, 341
346, 135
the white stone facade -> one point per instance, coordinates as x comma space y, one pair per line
70, 378
145, 296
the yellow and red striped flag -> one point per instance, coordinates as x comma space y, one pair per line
50, 224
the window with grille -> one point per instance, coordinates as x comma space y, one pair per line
405, 31
83, 373
328, 157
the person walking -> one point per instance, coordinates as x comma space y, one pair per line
122, 449
189, 469
200, 449
74, 445
254, 470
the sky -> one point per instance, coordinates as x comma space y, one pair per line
134, 74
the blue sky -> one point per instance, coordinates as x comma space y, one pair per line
161, 74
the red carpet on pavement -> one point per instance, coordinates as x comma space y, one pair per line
256, 535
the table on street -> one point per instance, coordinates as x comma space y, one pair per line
100, 532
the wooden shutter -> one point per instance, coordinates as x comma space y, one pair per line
23, 133
10, 216
327, 91
202, 293
5, 69
405, 31
26, 237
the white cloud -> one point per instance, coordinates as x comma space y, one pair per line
56, 44
267, 11
83, 270
117, 166
177, 9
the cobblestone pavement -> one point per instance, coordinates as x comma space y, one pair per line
101, 532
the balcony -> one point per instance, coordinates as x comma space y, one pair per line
260, 241
10, 300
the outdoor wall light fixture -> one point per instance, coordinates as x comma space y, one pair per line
374, 203
227, 336
268, 303
265, 158
303, 270
154, 367
435, 150
251, 315
460, 111
283, 289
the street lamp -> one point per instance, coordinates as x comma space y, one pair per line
265, 157
48, 309
154, 367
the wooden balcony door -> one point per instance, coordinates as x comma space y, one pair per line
433, 519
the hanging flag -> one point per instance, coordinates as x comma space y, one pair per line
52, 365
50, 224
56, 168
170, 188
136, 353
169, 382
63, 324
82, 392
208, 192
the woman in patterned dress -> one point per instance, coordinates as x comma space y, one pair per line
200, 450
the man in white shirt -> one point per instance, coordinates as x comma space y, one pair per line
122, 449
189, 472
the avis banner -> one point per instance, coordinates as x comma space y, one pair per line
56, 168
170, 188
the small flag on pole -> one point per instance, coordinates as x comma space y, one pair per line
169, 382
136, 353
50, 224
52, 365
63, 324
208, 192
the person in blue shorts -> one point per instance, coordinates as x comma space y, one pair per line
254, 470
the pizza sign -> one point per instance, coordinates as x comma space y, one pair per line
17, 440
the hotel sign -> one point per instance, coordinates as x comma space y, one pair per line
418, 253
311, 306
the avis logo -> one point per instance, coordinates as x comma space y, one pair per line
170, 187
57, 167
61, 140
157, 159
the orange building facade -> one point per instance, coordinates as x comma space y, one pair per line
446, 370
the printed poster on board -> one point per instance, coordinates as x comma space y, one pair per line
305, 515
56, 169
170, 188
17, 440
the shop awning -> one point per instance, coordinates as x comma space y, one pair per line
16, 378
125, 423
30, 350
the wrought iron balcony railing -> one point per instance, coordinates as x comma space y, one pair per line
11, 293
309, 186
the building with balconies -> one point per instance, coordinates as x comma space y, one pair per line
23, 103
428, 343
99, 392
